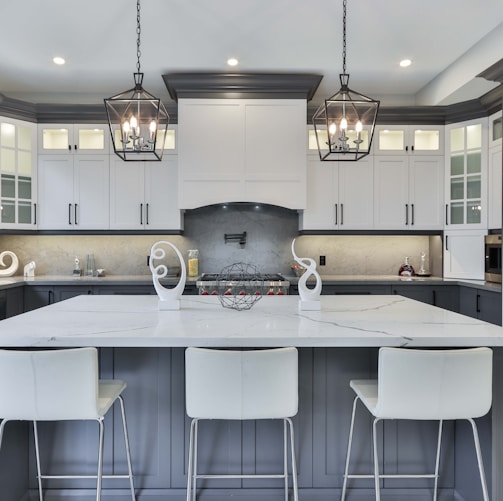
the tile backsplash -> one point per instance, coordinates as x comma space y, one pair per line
269, 234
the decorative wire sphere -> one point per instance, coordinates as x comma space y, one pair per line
240, 286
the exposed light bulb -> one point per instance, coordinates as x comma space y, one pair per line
344, 123
359, 126
332, 129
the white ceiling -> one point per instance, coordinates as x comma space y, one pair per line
449, 42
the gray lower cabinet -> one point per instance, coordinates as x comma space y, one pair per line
482, 304
444, 296
36, 296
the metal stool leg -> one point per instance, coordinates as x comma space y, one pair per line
37, 456
293, 461
99, 481
479, 459
376, 460
128, 452
437, 460
348, 453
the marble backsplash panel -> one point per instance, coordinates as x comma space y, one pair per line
269, 233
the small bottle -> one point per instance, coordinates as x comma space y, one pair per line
193, 263
406, 270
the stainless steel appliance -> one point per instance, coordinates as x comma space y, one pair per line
269, 284
493, 258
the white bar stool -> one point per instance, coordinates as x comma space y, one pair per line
433, 385
241, 385
59, 385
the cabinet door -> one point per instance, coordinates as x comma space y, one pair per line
356, 194
61, 139
464, 254
391, 185
161, 195
91, 139
275, 152
495, 190
426, 192
466, 175
320, 213
490, 306
55, 192
211, 147
36, 296
91, 191
127, 199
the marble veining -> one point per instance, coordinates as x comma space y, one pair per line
343, 321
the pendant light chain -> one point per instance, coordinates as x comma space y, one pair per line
344, 4
138, 33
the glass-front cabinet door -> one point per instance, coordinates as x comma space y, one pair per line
75, 139
408, 139
17, 174
466, 193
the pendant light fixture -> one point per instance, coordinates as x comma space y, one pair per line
344, 124
138, 121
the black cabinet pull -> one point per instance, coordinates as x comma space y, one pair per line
69, 147
406, 214
412, 214
50, 297
75, 213
406, 148
75, 146
69, 213
34, 213
141, 213
146, 210
446, 242
446, 213
342, 214
336, 216
434, 298
478, 303
412, 148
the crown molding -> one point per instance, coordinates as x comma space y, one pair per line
242, 85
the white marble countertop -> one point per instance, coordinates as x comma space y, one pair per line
344, 321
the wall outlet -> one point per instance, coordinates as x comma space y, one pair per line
323, 260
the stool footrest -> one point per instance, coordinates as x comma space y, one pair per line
396, 475
240, 476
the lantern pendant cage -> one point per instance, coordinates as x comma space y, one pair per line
138, 121
344, 123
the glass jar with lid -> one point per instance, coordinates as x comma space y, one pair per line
193, 263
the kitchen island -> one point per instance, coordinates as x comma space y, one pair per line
145, 347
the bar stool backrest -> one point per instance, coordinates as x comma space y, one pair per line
49, 385
230, 384
434, 384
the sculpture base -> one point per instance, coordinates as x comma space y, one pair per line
169, 304
309, 305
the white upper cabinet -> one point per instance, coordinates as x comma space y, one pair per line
408, 139
143, 195
466, 175
246, 150
73, 192
495, 129
79, 139
495, 187
464, 254
339, 195
18, 187
408, 192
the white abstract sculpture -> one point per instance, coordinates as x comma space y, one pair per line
309, 298
8, 272
169, 299
29, 270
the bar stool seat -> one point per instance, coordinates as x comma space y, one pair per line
60, 385
435, 385
241, 385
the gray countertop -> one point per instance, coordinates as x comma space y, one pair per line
17, 281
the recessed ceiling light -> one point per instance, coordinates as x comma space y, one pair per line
405, 62
232, 61
58, 60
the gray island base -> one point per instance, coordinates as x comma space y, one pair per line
145, 347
